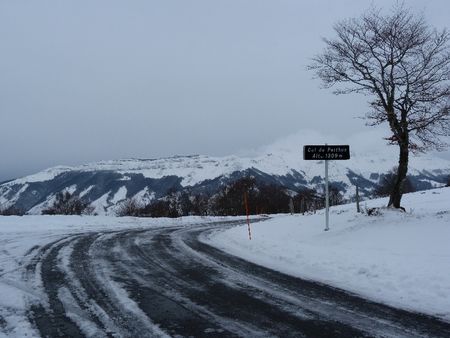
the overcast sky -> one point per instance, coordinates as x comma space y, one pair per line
82, 81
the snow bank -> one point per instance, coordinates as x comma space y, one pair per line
401, 259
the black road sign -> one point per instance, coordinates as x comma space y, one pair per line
326, 152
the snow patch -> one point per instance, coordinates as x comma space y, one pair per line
120, 195
145, 196
101, 204
85, 191
45, 175
37, 209
70, 189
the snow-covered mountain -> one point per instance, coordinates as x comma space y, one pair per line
107, 183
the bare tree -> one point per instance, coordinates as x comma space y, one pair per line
404, 65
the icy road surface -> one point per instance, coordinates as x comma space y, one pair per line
165, 282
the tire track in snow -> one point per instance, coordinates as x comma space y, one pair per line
165, 281
78, 303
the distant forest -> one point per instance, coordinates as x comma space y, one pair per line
232, 200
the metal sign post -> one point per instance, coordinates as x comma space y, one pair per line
326, 152
327, 199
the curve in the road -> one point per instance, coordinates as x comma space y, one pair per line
167, 282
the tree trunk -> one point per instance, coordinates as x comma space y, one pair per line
397, 191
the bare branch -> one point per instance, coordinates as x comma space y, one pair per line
401, 62
404, 66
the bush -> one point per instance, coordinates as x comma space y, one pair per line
11, 211
67, 204
176, 204
130, 207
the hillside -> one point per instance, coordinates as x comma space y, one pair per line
107, 183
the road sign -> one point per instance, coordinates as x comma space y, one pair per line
326, 152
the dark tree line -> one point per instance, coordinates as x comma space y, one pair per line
261, 199
311, 200
175, 204
229, 201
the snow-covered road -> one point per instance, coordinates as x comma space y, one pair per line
164, 281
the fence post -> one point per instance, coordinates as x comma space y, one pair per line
358, 210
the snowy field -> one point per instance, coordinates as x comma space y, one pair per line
21, 235
401, 259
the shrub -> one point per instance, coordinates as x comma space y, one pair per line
11, 211
130, 207
67, 204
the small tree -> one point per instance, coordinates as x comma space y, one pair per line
404, 65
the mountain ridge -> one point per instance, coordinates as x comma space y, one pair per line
107, 183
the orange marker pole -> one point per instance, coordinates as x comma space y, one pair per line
248, 219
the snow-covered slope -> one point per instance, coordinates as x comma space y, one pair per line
398, 258
107, 183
